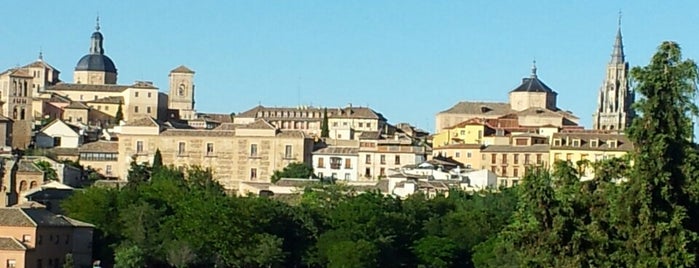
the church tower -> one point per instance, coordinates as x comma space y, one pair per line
615, 98
95, 68
181, 97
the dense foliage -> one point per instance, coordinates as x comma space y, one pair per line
297, 170
637, 211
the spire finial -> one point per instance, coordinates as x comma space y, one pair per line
619, 19
97, 26
41, 54
534, 68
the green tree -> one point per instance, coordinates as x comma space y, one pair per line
434, 251
119, 114
49, 172
129, 257
69, 263
656, 222
293, 170
157, 160
324, 127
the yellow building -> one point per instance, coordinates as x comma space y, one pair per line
467, 154
102, 156
470, 131
576, 146
510, 162
235, 153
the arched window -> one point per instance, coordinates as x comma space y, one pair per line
23, 186
21, 114
33, 185
181, 90
14, 113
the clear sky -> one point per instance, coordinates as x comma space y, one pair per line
406, 59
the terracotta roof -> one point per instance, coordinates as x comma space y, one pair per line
109, 100
182, 69
144, 121
227, 126
15, 217
61, 151
332, 150
198, 132
20, 72
469, 122
259, 124
10, 243
603, 144
535, 148
292, 134
100, 147
536, 111
460, 146
370, 135
222, 118
481, 108
77, 105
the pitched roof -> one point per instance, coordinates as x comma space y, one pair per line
535, 148
460, 146
356, 112
259, 124
370, 135
10, 243
32, 217
221, 118
332, 150
479, 107
56, 121
182, 69
20, 72
77, 105
603, 144
109, 100
102, 88
144, 121
100, 147
533, 84
39, 63
50, 193
26, 165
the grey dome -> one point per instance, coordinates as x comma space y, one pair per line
96, 62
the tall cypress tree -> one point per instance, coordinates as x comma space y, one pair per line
657, 230
324, 128
119, 114
157, 160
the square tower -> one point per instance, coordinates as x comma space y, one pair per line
181, 97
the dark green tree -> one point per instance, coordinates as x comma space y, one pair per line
119, 114
324, 127
49, 172
157, 160
662, 188
293, 170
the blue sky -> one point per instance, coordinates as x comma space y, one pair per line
406, 59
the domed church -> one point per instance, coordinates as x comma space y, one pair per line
95, 68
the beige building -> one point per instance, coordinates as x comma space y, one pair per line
181, 97
467, 154
16, 100
102, 156
234, 153
381, 155
510, 162
18, 177
344, 123
35, 237
588, 146
532, 101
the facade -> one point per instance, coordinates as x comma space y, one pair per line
510, 162
339, 163
16, 101
614, 110
234, 153
467, 154
381, 155
35, 237
532, 101
59, 134
102, 156
590, 146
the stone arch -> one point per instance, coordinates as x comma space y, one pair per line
34, 184
22, 186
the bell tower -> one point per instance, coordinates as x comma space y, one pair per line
181, 97
614, 110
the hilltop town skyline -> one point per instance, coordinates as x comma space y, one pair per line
432, 55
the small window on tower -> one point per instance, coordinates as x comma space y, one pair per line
181, 90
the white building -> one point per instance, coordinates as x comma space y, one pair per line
59, 134
339, 163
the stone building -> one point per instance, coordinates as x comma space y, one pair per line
588, 146
16, 101
102, 156
532, 101
614, 110
383, 154
234, 153
181, 97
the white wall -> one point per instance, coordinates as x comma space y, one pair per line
327, 171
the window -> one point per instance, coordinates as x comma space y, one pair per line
457, 154
136, 94
180, 148
95, 97
503, 183
569, 157
521, 142
139, 146
557, 156
209, 148
335, 162
526, 159
397, 160
612, 144
148, 109
368, 159
149, 94
348, 163
106, 107
81, 97
538, 159
462, 132
515, 172
468, 154
368, 125
504, 159
135, 109
382, 172
515, 182
253, 173
108, 171
26, 238
334, 124
11, 263
320, 175
361, 124
480, 134
367, 172
321, 163
333, 175
557, 142
493, 158
253, 150
516, 159
287, 151
347, 176
383, 159
576, 143
594, 143
56, 141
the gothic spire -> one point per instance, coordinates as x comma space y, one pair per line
618, 52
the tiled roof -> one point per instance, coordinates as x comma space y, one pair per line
259, 124
26, 165
221, 118
10, 243
100, 147
61, 151
332, 150
39, 64
533, 84
460, 146
198, 132
227, 126
370, 135
21, 72
50, 193
536, 111
14, 217
182, 69
109, 100
603, 144
87, 87
535, 148
292, 134
77, 105
355, 112
144, 121
481, 108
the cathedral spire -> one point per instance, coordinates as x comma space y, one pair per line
618, 52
